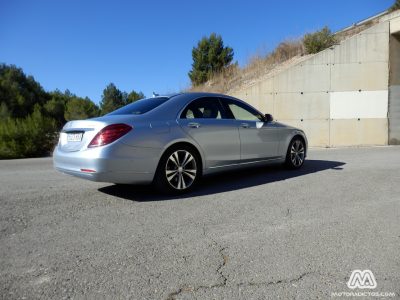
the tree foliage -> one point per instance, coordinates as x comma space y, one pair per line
30, 117
55, 107
209, 57
395, 6
18, 92
4, 112
319, 40
32, 136
113, 98
80, 108
133, 96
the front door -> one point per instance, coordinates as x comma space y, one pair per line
258, 139
204, 121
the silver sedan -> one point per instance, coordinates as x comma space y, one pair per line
173, 140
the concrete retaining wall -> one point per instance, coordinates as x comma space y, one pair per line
339, 96
394, 82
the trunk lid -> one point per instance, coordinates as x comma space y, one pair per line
76, 135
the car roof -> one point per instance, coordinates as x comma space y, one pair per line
196, 94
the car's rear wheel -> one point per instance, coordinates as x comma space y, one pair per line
178, 171
296, 153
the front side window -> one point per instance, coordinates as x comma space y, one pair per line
241, 111
203, 108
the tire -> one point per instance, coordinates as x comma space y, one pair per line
296, 153
178, 171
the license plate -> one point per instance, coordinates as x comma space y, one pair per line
74, 137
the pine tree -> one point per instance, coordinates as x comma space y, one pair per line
209, 57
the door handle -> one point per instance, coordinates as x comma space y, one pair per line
193, 125
244, 125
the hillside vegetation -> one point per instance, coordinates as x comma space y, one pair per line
30, 117
287, 53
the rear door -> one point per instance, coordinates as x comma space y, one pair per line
205, 121
259, 139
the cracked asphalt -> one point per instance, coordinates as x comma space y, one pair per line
264, 233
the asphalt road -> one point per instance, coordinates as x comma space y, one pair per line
263, 233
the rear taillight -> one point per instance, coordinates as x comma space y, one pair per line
109, 134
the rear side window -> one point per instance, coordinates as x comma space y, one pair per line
140, 107
203, 108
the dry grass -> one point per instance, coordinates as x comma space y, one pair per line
258, 66
355, 30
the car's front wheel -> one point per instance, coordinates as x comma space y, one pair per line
179, 170
296, 153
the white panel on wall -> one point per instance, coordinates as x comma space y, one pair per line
355, 104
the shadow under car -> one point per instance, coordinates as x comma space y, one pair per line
223, 182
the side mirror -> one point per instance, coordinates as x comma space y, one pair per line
268, 118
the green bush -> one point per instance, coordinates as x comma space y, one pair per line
319, 40
32, 136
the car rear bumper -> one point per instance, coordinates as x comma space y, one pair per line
122, 164
113, 177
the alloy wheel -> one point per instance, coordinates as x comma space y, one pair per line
297, 153
181, 169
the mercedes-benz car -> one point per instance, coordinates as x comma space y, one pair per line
172, 141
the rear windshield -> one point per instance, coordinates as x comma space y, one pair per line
140, 107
